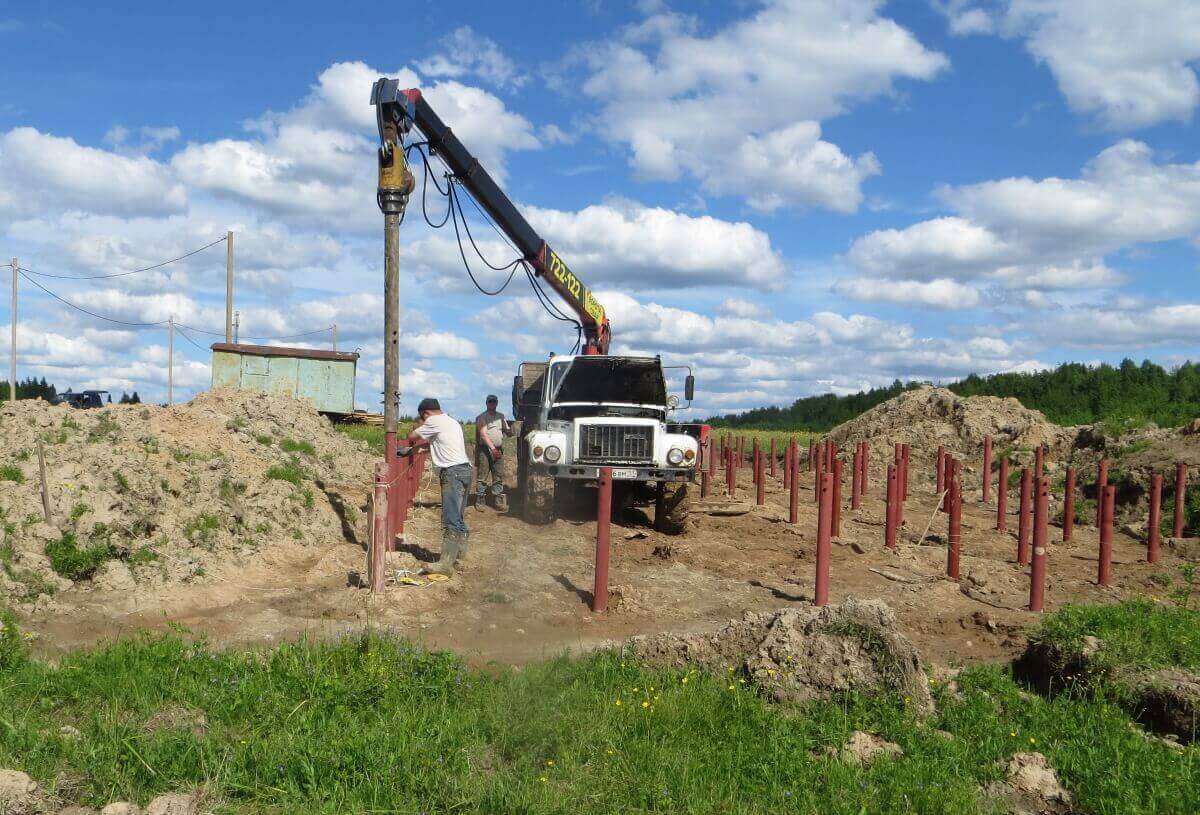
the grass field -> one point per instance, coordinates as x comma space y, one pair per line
374, 725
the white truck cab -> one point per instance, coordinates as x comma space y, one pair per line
581, 413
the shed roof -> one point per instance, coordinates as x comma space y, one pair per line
282, 351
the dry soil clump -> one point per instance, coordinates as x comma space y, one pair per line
803, 653
145, 494
1030, 787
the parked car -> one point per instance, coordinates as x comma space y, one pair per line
83, 399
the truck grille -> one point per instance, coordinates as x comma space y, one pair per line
615, 443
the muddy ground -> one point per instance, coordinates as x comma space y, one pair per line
524, 593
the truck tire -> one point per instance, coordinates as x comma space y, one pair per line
672, 507
538, 499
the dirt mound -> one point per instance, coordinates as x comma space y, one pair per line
142, 493
803, 653
930, 417
1030, 787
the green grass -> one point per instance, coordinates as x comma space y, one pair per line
105, 428
201, 528
1138, 635
372, 724
194, 455
264, 439
295, 446
290, 471
11, 472
73, 561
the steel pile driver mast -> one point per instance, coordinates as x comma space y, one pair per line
397, 111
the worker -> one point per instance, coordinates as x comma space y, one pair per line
448, 450
490, 430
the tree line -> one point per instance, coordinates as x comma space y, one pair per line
1073, 393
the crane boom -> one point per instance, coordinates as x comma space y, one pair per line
397, 111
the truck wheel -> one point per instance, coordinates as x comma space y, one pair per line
672, 507
538, 499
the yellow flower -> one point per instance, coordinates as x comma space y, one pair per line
1012, 733
684, 680
610, 752
1032, 740
549, 762
542, 779
618, 703
635, 690
730, 669
731, 687
770, 671
645, 704
742, 681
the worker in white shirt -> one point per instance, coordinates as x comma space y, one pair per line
448, 450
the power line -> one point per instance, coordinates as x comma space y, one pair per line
90, 313
131, 272
183, 334
261, 339
66, 302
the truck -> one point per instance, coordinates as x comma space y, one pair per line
573, 414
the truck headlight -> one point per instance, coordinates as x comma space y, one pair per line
552, 454
674, 456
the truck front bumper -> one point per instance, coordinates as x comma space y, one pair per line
632, 473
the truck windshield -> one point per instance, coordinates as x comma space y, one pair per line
609, 379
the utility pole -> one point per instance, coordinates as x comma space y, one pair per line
237, 325
229, 286
12, 343
335, 337
171, 360
395, 184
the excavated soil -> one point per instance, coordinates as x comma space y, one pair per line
169, 495
525, 591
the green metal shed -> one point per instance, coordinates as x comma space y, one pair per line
326, 378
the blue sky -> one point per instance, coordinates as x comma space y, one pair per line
794, 196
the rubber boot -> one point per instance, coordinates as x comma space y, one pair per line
464, 546
480, 501
445, 562
499, 499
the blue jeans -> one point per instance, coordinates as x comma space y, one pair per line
456, 481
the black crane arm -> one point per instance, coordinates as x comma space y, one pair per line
397, 111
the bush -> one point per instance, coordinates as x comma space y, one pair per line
74, 562
11, 472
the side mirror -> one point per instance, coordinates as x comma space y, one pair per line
689, 388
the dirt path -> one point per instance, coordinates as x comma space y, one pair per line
524, 593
